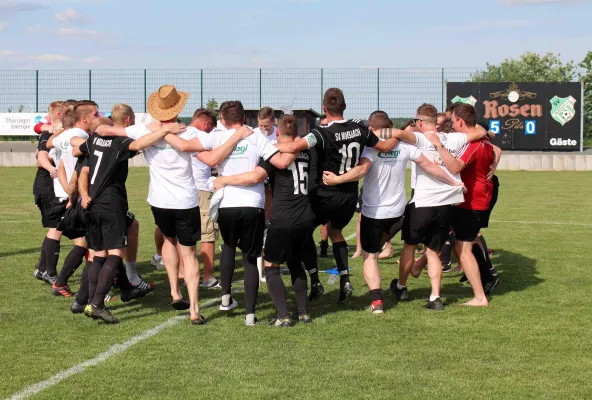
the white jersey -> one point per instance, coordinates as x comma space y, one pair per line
244, 158
201, 171
383, 194
271, 138
171, 175
429, 191
63, 152
413, 175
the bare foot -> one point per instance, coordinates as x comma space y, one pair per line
477, 303
386, 253
356, 254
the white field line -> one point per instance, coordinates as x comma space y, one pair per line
113, 350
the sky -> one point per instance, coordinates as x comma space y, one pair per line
102, 34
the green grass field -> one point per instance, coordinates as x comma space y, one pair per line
534, 341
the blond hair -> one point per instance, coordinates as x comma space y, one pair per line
120, 112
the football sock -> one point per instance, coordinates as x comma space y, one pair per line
376, 294
82, 295
341, 259
106, 277
71, 263
42, 257
93, 275
277, 290
52, 255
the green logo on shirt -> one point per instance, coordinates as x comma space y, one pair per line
240, 150
390, 154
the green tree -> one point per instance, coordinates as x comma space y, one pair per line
212, 105
530, 67
586, 78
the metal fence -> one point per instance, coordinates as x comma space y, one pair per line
396, 90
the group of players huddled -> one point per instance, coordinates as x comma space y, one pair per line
272, 189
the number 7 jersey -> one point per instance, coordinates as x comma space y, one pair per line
338, 148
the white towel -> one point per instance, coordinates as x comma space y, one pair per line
215, 200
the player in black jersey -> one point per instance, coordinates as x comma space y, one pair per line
338, 146
289, 237
106, 217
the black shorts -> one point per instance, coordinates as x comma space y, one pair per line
494, 194
287, 243
243, 227
334, 206
467, 223
52, 210
373, 230
185, 225
107, 230
427, 225
73, 225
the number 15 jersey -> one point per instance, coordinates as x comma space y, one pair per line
338, 148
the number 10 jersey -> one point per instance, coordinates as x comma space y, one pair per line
338, 147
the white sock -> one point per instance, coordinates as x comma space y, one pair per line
132, 275
400, 287
226, 300
157, 257
434, 298
250, 319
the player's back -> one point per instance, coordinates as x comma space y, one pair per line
339, 149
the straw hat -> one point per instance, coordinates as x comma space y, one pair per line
167, 103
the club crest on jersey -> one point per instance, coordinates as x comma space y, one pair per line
563, 109
390, 154
465, 100
240, 150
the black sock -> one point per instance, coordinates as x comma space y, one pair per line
446, 252
82, 295
299, 285
227, 265
481, 239
93, 276
341, 259
277, 291
71, 264
376, 294
484, 270
42, 257
122, 278
309, 258
106, 278
324, 245
251, 283
52, 255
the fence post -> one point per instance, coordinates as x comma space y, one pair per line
443, 90
378, 87
201, 85
145, 93
37, 91
90, 84
260, 105
499, 73
322, 93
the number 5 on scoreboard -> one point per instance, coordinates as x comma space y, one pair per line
494, 126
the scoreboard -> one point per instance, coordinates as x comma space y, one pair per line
526, 115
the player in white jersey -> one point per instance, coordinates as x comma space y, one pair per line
241, 216
383, 198
429, 210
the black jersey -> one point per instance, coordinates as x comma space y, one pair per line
43, 184
290, 204
339, 146
108, 167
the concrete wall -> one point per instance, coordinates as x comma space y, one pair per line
510, 161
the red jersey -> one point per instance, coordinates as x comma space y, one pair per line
478, 158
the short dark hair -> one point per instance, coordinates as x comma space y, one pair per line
233, 112
380, 120
446, 126
206, 113
450, 107
265, 113
429, 111
288, 125
334, 101
83, 108
467, 113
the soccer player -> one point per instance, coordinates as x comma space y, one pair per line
474, 163
240, 217
384, 197
289, 238
107, 213
266, 122
84, 113
338, 146
44, 194
430, 208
